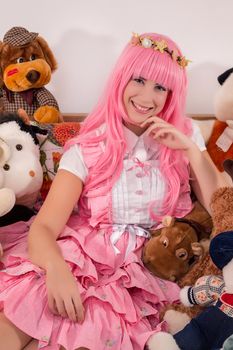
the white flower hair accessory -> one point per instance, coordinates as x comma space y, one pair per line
161, 46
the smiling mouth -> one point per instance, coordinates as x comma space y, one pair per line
141, 109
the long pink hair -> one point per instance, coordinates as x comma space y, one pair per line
161, 68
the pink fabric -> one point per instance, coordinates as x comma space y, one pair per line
121, 298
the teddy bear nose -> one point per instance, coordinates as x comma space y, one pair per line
33, 76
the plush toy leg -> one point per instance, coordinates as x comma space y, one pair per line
176, 320
162, 341
208, 330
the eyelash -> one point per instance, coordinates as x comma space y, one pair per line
157, 86
139, 80
161, 88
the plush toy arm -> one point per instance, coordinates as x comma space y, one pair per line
206, 291
48, 112
7, 200
162, 341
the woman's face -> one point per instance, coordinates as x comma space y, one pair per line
142, 99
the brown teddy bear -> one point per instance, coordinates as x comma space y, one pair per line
26, 64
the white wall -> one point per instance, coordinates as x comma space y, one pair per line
86, 37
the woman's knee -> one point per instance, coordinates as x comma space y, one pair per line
33, 345
11, 337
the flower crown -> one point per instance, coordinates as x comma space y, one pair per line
161, 45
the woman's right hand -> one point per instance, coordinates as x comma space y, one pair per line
63, 293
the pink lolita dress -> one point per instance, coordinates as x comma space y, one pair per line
102, 244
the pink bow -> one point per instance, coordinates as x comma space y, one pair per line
145, 167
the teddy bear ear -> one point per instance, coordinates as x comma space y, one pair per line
49, 56
168, 221
155, 232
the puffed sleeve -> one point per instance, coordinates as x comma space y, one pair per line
72, 160
197, 137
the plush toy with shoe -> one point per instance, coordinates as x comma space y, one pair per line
26, 65
214, 324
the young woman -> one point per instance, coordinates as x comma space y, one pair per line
83, 284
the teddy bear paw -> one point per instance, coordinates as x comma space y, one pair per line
47, 114
162, 341
176, 320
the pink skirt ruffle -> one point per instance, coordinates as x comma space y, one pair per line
121, 298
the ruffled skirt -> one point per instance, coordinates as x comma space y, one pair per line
121, 298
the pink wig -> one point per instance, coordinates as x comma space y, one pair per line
138, 61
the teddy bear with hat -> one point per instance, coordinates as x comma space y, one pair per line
26, 65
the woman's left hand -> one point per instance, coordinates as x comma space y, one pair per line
167, 134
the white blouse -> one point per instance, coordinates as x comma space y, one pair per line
140, 182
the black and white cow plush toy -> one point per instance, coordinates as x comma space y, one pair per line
21, 174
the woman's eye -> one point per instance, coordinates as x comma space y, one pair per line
160, 87
32, 57
20, 60
139, 80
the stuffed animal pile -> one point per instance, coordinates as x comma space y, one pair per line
206, 286
26, 64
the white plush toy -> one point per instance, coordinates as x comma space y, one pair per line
21, 174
